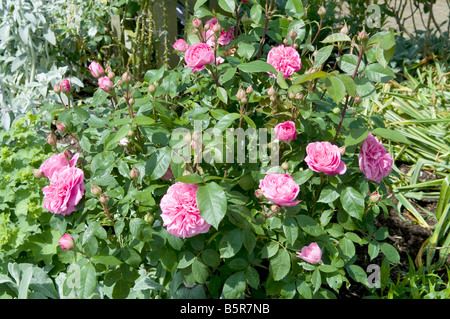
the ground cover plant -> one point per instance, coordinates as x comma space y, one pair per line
252, 169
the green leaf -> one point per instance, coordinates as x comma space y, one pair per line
308, 77
226, 121
256, 13
336, 37
211, 257
309, 225
335, 88
349, 84
246, 50
377, 73
257, 66
353, 202
227, 75
281, 81
227, 5
143, 120
114, 141
230, 243
348, 63
234, 286
294, 8
322, 55
301, 177
198, 4
200, 271
280, 265
140, 229
212, 203
222, 94
347, 247
328, 195
391, 135
106, 260
158, 163
373, 249
190, 179
357, 273
356, 136
390, 252
269, 249
316, 280
290, 229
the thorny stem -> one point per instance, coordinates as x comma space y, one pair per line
270, 10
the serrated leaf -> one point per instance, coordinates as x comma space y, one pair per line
212, 203
353, 202
280, 265
336, 37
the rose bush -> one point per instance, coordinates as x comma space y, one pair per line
177, 180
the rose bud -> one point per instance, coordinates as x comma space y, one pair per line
149, 218
51, 139
67, 155
271, 91
38, 173
66, 242
57, 89
96, 191
342, 150
374, 198
134, 173
124, 142
127, 77
322, 11
275, 208
61, 127
240, 94
104, 199
285, 166
259, 194
344, 29
65, 86
105, 84
196, 23
249, 90
151, 88
96, 69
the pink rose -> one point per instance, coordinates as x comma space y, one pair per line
56, 162
65, 191
325, 157
286, 131
96, 69
180, 212
311, 253
65, 86
66, 242
225, 37
285, 59
281, 189
198, 55
105, 84
180, 45
219, 60
374, 161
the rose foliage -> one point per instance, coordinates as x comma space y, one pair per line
245, 171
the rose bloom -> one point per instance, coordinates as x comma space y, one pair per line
285, 59
219, 60
198, 55
324, 157
66, 242
65, 86
96, 69
180, 213
280, 189
56, 162
311, 253
225, 37
374, 161
105, 84
285, 131
65, 191
180, 45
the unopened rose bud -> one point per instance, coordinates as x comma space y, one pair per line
285, 42
96, 191
362, 35
130, 133
67, 155
249, 90
374, 198
291, 95
104, 199
149, 218
96, 69
292, 34
271, 91
51, 139
61, 127
357, 99
342, 150
38, 173
295, 46
134, 173
275, 208
111, 75
57, 89
196, 23
273, 98
285, 166
299, 96
65, 86
259, 194
66, 242
151, 88
240, 94
124, 142
344, 29
322, 11
244, 100
131, 101
127, 77
186, 173
336, 110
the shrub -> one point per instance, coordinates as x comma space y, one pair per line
187, 186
